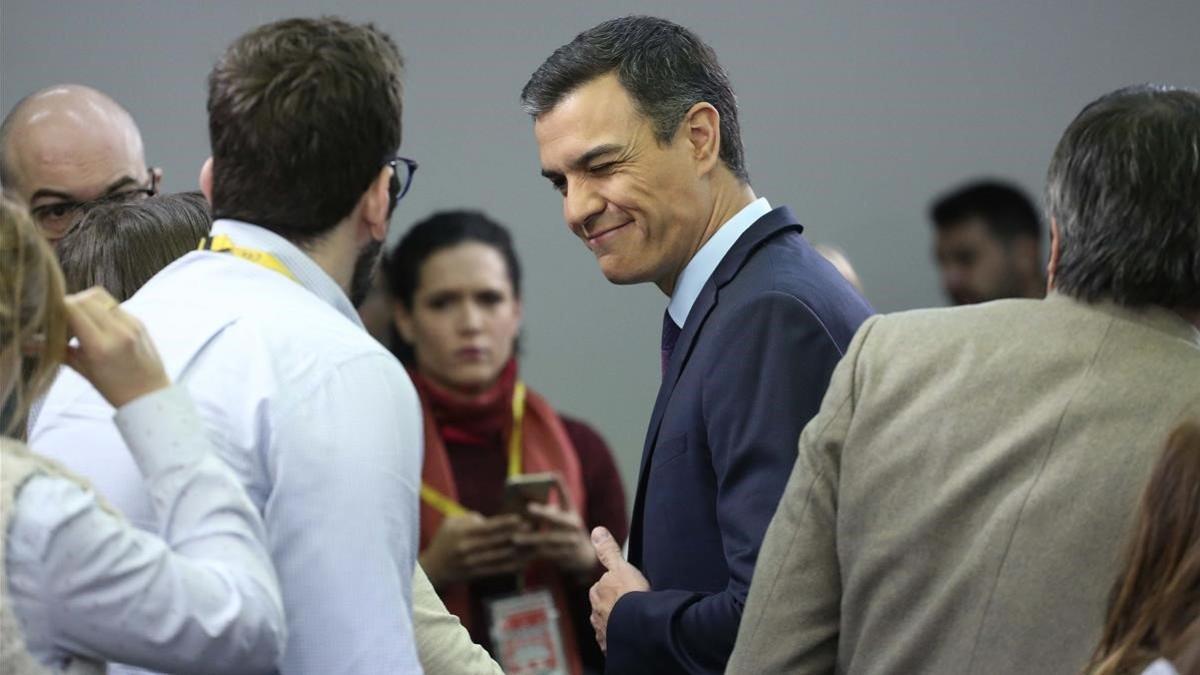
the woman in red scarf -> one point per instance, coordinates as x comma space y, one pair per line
455, 282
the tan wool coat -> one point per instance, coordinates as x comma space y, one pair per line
961, 502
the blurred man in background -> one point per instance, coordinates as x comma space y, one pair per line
988, 243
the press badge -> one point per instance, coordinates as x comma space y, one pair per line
525, 634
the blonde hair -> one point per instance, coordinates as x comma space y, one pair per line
33, 330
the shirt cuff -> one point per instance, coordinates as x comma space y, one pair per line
161, 429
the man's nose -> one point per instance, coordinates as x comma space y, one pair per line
580, 205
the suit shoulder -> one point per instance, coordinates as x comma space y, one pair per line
786, 265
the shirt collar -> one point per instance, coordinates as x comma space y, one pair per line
704, 263
306, 270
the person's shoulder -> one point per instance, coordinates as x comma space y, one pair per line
958, 323
1017, 328
785, 271
585, 438
308, 346
268, 309
21, 467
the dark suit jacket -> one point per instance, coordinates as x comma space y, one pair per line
749, 370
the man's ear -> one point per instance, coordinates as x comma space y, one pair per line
402, 320
1055, 251
702, 124
206, 179
376, 204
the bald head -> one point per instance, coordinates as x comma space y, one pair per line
69, 144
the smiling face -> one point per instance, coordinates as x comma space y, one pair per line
464, 317
641, 207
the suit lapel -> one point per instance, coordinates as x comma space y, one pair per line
763, 229
679, 356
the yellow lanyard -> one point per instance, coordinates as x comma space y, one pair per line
447, 506
221, 243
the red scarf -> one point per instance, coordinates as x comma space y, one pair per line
486, 420
483, 419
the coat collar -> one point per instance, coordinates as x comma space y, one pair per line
763, 229
776, 221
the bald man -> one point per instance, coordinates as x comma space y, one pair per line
66, 146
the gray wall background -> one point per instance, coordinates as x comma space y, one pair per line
854, 113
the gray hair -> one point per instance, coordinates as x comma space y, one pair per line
665, 68
1124, 188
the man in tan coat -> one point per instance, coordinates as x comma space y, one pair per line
960, 502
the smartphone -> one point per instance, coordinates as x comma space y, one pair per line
527, 488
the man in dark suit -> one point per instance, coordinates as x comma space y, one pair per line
636, 125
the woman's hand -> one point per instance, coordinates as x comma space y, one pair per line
115, 353
560, 537
470, 546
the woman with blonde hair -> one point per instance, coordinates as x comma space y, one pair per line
1154, 611
79, 585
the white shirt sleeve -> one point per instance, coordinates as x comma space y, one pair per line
203, 598
342, 519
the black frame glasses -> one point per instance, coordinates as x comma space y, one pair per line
398, 186
58, 218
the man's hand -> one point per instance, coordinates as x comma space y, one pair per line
470, 546
621, 578
559, 536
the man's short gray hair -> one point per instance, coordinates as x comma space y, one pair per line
1124, 188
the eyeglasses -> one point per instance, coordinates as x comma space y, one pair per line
403, 170
58, 218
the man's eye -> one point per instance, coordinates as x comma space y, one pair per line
54, 216
560, 186
601, 169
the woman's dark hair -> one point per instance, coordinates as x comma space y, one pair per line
1155, 603
119, 246
442, 230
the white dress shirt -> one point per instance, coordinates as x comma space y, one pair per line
704, 263
319, 422
203, 598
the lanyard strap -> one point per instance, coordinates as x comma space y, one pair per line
221, 243
447, 506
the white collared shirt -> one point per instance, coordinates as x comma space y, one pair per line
84, 583
319, 422
704, 263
